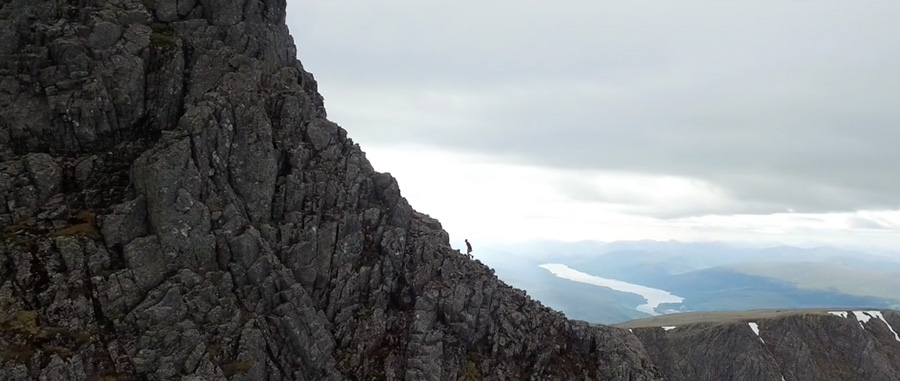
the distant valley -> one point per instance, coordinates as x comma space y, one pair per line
616, 282
653, 296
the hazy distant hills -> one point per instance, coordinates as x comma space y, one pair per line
883, 282
709, 276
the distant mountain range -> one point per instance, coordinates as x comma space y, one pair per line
709, 276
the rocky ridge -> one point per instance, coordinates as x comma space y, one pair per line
174, 204
790, 345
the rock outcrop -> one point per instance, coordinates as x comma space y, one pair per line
174, 204
786, 345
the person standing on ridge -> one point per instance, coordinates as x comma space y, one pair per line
468, 248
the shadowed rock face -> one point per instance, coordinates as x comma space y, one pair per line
174, 205
808, 346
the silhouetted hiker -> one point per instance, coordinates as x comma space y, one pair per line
468, 248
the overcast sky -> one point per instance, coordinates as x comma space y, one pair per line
514, 120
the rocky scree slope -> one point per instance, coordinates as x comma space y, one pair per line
175, 205
834, 345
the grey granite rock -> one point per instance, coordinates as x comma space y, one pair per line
104, 35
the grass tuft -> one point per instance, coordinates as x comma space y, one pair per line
163, 36
237, 366
471, 373
80, 229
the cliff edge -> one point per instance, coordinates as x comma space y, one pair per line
174, 204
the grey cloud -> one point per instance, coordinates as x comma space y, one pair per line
633, 202
784, 105
866, 223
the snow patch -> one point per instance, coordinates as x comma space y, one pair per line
842, 314
877, 314
755, 328
668, 327
861, 317
865, 316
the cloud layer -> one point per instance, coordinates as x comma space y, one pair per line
766, 107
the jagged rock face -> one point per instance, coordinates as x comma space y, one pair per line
816, 346
174, 205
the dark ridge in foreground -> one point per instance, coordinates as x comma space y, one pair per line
174, 205
793, 345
